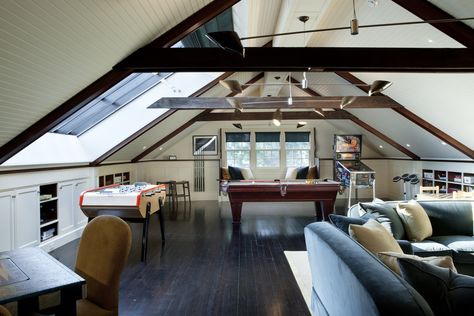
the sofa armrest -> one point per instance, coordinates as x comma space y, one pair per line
406, 246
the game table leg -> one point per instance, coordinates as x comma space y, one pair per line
145, 233
162, 223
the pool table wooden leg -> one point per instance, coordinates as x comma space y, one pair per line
236, 211
328, 208
319, 211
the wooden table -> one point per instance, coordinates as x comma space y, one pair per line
133, 203
317, 191
28, 273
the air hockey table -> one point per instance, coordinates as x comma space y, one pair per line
321, 192
132, 203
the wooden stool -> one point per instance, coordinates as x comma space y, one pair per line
171, 194
186, 193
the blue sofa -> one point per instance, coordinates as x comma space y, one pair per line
349, 280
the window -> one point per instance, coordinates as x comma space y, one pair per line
267, 145
297, 147
108, 102
238, 149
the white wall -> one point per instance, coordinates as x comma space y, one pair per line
182, 170
28, 179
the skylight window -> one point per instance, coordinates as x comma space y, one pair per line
109, 102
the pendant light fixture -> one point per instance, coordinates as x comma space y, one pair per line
354, 21
319, 112
290, 99
346, 101
277, 117
304, 19
301, 124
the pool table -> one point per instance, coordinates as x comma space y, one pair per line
321, 192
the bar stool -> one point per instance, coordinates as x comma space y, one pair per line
171, 194
186, 193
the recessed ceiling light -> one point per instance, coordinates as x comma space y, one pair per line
430, 40
408, 145
443, 143
144, 147
161, 148
380, 146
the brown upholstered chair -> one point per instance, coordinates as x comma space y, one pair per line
102, 255
4, 311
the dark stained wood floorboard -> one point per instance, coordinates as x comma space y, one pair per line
208, 266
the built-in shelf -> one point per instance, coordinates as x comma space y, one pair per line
49, 223
448, 181
114, 178
48, 200
48, 211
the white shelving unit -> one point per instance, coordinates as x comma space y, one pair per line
448, 181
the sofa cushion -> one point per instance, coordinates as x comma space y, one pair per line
312, 173
374, 237
379, 209
447, 292
235, 173
462, 246
225, 173
247, 173
342, 222
428, 248
415, 220
290, 173
450, 217
390, 259
302, 172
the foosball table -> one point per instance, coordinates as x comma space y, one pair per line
132, 203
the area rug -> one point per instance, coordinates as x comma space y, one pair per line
299, 265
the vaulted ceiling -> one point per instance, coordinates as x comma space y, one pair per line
54, 51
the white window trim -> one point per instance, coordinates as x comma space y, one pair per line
253, 150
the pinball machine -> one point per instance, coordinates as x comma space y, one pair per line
348, 168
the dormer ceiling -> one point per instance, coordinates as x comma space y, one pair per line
57, 55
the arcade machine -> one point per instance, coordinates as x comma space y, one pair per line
349, 170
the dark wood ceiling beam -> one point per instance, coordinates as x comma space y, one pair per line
186, 125
368, 127
332, 102
268, 116
425, 10
155, 122
108, 80
300, 58
430, 128
192, 23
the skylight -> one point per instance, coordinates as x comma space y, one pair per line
109, 102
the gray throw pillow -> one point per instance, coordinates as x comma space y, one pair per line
447, 292
343, 222
379, 209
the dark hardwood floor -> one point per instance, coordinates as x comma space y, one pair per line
208, 266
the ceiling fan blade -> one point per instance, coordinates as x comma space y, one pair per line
232, 85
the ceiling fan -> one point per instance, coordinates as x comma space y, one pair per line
230, 40
235, 86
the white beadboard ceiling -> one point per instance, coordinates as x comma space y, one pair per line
50, 50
